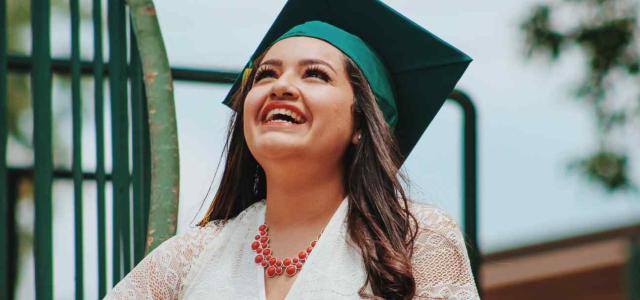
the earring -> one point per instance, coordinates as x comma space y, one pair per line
256, 180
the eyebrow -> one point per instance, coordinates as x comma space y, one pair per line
304, 62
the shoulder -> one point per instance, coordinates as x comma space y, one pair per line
181, 250
440, 261
193, 238
433, 219
159, 275
437, 232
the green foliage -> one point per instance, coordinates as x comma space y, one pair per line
607, 168
606, 32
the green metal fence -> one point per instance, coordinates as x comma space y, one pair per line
130, 183
127, 239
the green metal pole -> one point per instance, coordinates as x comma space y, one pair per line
165, 168
22, 64
76, 108
42, 145
470, 182
98, 73
119, 137
4, 200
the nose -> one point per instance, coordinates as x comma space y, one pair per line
284, 89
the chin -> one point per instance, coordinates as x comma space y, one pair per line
277, 147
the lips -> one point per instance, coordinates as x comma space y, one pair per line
282, 113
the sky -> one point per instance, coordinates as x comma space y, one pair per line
529, 126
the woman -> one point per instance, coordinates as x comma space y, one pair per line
310, 205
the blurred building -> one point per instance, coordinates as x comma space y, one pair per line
587, 267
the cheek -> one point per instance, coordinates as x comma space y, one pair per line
251, 106
337, 116
342, 111
344, 121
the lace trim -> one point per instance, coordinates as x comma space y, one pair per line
159, 275
440, 261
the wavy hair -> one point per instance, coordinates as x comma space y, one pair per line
378, 220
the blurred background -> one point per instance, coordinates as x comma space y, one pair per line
555, 84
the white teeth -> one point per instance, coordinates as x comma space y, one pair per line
283, 111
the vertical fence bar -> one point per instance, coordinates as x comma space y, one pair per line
98, 72
42, 145
120, 137
76, 108
4, 199
138, 137
470, 181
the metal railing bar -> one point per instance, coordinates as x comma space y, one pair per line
76, 108
57, 173
42, 146
22, 64
119, 137
97, 67
4, 197
469, 180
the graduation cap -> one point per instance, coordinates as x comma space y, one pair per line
410, 70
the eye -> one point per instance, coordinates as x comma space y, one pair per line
316, 72
265, 72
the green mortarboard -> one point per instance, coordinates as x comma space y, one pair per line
410, 70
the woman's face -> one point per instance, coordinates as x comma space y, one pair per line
300, 104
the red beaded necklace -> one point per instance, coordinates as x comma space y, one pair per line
274, 266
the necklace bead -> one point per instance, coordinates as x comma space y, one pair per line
291, 270
271, 271
272, 265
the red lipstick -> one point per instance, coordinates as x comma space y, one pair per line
275, 105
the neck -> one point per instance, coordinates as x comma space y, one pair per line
306, 196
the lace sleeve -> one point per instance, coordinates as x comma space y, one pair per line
440, 259
159, 275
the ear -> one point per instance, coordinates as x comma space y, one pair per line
355, 138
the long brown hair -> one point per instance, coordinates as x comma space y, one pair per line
379, 221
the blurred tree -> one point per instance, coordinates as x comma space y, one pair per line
606, 32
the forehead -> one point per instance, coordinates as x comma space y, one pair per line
298, 48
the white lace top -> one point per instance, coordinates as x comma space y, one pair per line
216, 262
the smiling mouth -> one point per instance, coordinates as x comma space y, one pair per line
283, 116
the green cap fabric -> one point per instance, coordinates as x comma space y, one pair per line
412, 74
